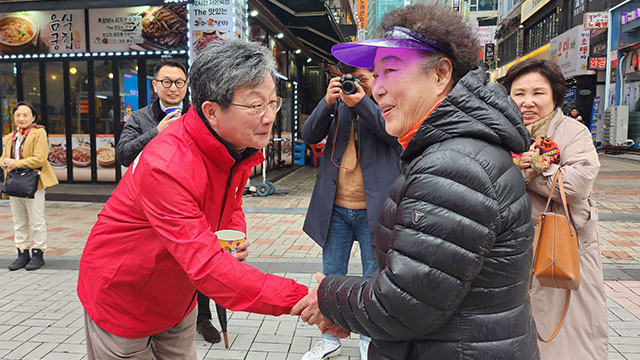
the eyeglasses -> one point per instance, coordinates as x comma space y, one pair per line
261, 108
166, 83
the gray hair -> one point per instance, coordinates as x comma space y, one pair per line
223, 67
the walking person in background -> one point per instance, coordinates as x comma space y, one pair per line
359, 165
170, 83
454, 240
538, 87
574, 113
28, 146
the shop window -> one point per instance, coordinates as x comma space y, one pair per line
31, 84
8, 96
79, 115
105, 131
55, 115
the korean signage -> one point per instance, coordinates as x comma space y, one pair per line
530, 7
485, 34
42, 32
138, 28
578, 7
213, 20
362, 14
630, 16
570, 51
489, 52
596, 20
597, 63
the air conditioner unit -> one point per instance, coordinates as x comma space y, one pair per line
616, 126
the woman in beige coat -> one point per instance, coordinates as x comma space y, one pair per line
538, 88
28, 147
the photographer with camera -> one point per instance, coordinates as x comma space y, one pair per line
359, 165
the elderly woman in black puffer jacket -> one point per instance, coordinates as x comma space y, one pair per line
454, 239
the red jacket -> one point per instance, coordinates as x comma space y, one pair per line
154, 241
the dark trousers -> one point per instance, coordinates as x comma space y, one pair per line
204, 312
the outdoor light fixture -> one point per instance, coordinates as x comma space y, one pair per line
308, 60
298, 51
253, 13
110, 75
279, 35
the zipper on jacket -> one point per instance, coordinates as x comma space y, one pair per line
224, 199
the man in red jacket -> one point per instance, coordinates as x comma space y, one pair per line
154, 243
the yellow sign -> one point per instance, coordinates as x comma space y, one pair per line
362, 14
542, 53
530, 7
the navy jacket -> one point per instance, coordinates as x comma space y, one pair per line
454, 241
379, 159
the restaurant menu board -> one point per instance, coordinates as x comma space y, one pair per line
213, 20
139, 28
29, 32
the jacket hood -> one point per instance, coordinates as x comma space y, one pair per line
473, 109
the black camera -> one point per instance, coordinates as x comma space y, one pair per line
349, 84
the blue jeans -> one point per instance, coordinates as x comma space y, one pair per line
346, 226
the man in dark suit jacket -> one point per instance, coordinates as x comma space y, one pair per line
359, 165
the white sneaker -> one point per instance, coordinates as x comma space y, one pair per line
364, 349
324, 349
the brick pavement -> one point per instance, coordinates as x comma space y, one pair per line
40, 316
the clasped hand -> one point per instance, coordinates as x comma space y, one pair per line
309, 312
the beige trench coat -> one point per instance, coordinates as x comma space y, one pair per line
584, 333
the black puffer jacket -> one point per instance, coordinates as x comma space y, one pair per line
453, 243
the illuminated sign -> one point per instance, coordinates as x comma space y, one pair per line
362, 14
597, 63
630, 16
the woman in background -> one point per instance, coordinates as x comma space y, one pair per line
538, 87
28, 146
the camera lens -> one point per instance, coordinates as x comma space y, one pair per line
349, 87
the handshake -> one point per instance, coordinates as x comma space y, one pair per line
309, 312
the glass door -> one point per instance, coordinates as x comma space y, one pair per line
104, 116
55, 118
79, 117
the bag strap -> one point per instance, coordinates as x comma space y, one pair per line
558, 178
564, 314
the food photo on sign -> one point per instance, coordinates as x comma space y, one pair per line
32, 32
139, 28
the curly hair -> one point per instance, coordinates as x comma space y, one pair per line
444, 26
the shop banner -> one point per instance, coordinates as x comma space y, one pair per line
595, 116
213, 20
570, 51
139, 28
596, 20
362, 14
39, 32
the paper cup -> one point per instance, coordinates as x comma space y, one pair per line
230, 240
173, 109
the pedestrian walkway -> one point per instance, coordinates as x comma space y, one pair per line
41, 317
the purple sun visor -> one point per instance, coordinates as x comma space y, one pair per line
362, 53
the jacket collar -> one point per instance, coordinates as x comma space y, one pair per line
213, 147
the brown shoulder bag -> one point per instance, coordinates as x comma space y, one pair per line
555, 251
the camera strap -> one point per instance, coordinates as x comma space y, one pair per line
356, 135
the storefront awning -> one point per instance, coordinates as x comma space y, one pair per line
312, 22
31, 5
